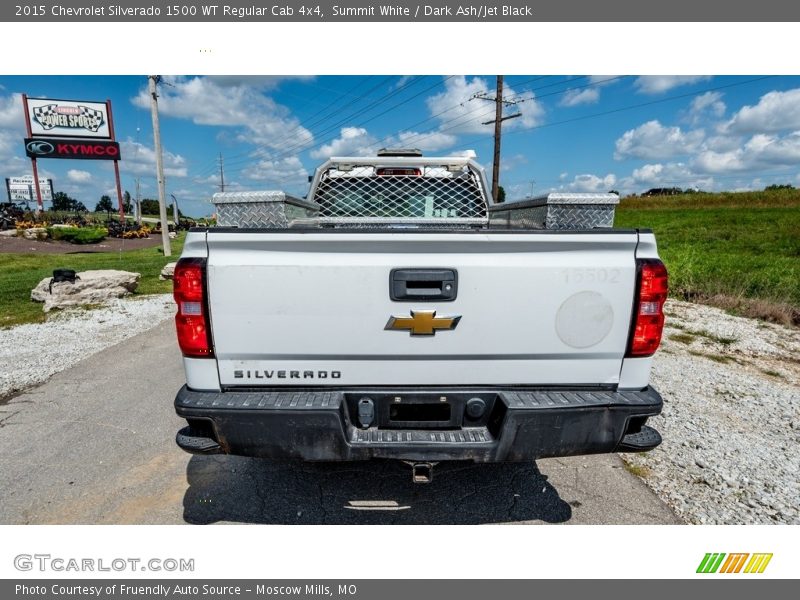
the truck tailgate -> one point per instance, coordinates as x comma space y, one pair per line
312, 308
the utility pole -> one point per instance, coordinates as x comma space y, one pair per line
162, 204
498, 132
221, 174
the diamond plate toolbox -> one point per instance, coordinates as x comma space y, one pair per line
556, 211
269, 209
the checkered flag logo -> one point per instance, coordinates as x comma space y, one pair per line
84, 117
94, 118
45, 115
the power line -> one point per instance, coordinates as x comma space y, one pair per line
290, 151
307, 123
327, 129
639, 105
441, 129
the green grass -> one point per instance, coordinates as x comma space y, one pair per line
737, 247
640, 471
19, 274
683, 338
772, 373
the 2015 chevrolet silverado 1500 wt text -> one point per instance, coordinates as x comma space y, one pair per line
397, 312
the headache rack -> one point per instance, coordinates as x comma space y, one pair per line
398, 190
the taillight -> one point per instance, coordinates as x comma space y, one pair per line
189, 290
648, 316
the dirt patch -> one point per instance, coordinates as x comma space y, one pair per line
19, 245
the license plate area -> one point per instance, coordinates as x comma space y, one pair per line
421, 409
408, 412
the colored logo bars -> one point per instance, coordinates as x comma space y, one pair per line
734, 563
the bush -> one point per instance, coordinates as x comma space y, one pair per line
78, 235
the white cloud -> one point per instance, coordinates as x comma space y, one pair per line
12, 131
563, 176
282, 172
78, 176
352, 141
230, 102
775, 111
761, 151
603, 80
139, 159
11, 114
461, 115
709, 100
652, 140
431, 142
674, 174
658, 84
592, 183
708, 104
509, 163
587, 95
263, 82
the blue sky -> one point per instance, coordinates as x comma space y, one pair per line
576, 132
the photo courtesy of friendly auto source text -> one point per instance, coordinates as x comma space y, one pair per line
259, 291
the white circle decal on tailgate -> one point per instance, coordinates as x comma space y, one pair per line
584, 319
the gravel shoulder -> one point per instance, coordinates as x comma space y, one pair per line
30, 354
731, 419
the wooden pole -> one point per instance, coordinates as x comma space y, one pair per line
498, 119
120, 204
39, 203
162, 204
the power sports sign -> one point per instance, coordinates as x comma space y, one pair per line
53, 118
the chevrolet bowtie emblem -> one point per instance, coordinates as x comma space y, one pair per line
422, 322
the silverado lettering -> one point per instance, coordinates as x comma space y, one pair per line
264, 374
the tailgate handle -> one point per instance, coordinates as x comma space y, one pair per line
423, 285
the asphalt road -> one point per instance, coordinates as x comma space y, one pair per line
95, 444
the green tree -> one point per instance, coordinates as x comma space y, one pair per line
126, 201
501, 194
149, 207
104, 205
79, 207
62, 202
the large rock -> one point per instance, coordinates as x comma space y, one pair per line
8, 233
168, 271
92, 287
35, 233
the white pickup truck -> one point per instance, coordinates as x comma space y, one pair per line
397, 312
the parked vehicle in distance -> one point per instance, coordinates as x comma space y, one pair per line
397, 312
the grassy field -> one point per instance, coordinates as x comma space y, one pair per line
19, 274
739, 251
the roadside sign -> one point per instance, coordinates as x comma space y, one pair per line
21, 189
51, 117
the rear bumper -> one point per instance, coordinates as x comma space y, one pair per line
323, 424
